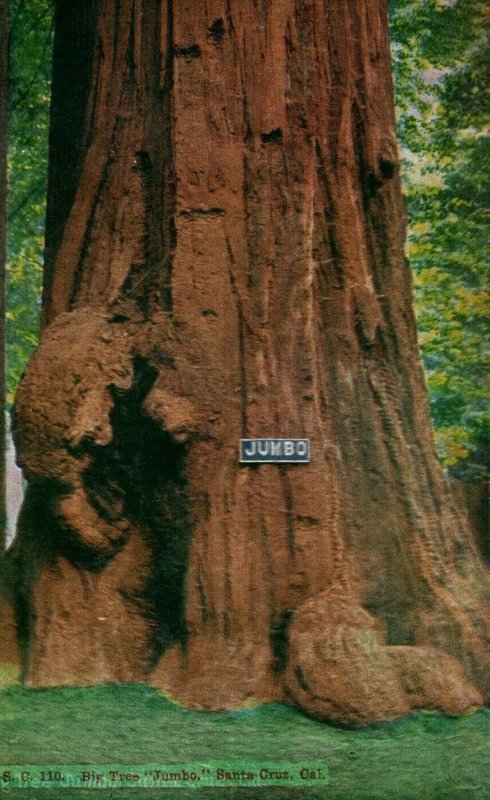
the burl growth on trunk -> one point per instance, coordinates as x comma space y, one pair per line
147, 553
230, 265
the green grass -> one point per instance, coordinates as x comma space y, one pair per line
424, 756
8, 675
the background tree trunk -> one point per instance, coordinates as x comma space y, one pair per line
224, 260
4, 82
8, 648
474, 500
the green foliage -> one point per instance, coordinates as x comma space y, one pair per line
441, 62
30, 69
8, 675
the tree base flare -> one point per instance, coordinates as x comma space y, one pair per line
145, 552
214, 674
9, 651
340, 670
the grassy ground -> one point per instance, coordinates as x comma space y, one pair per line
426, 757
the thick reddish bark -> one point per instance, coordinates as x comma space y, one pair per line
230, 264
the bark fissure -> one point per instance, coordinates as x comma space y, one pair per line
241, 340
169, 233
81, 271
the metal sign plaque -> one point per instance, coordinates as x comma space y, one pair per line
274, 451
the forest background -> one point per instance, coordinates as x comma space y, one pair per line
440, 61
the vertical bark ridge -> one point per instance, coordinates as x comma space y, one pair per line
288, 505
130, 119
241, 339
168, 190
72, 117
94, 159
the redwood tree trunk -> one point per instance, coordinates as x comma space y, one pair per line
225, 260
